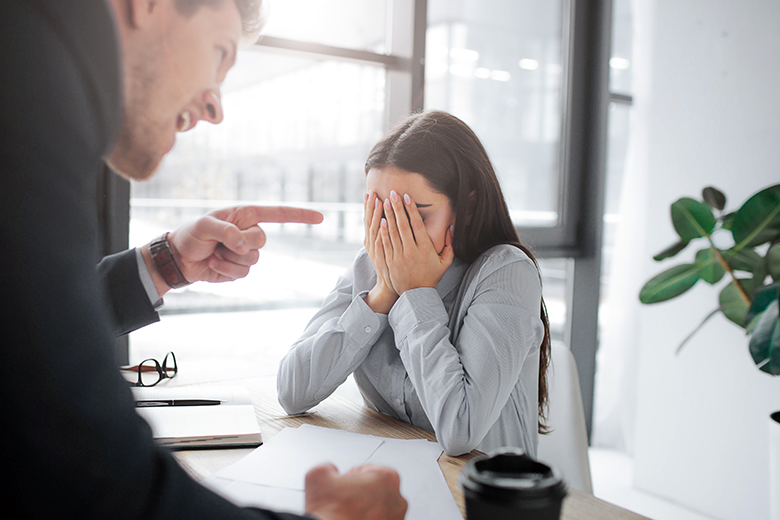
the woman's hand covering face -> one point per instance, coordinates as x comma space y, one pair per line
410, 258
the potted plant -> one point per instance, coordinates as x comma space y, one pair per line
744, 248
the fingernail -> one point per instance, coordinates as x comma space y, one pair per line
384, 223
241, 243
377, 202
407, 199
387, 204
393, 196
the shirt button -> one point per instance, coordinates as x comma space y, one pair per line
367, 329
398, 402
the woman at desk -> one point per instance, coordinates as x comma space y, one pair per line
441, 317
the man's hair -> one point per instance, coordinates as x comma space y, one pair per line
254, 13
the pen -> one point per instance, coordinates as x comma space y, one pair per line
177, 402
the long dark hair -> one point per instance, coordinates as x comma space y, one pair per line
445, 151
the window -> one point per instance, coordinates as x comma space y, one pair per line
305, 105
348, 24
497, 65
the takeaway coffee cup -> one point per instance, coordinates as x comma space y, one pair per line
508, 484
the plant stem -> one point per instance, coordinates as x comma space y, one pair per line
726, 266
705, 320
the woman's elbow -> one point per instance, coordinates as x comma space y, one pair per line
287, 405
455, 443
286, 394
291, 405
455, 449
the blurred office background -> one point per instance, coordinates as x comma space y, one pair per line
596, 115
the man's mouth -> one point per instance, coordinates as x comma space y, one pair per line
184, 121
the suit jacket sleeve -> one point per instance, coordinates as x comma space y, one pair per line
71, 436
130, 305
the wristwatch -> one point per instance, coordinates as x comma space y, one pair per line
162, 256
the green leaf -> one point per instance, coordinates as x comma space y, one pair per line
751, 285
727, 220
750, 325
714, 197
744, 260
671, 250
761, 300
710, 269
764, 343
692, 219
670, 283
758, 220
773, 262
733, 305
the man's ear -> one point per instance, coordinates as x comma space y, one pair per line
472, 206
140, 13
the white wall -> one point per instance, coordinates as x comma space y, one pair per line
707, 113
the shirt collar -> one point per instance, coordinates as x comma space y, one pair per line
452, 278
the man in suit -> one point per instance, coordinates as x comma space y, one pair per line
83, 82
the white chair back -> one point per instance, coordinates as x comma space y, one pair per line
566, 446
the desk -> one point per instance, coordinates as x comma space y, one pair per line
340, 413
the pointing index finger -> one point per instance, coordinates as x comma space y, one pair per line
246, 216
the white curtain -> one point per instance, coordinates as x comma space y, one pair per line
615, 393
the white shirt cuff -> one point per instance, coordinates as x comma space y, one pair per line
146, 280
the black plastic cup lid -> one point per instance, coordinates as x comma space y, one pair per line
509, 474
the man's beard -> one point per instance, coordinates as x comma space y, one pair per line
133, 156
138, 151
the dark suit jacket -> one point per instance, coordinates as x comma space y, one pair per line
130, 305
71, 440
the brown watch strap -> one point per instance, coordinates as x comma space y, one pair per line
162, 256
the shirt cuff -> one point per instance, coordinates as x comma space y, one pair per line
416, 306
146, 280
364, 319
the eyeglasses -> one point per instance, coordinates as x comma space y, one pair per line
150, 371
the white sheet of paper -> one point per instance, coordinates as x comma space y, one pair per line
422, 483
284, 460
272, 476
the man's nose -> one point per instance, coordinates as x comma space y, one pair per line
213, 107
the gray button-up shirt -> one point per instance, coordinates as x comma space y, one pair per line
460, 360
